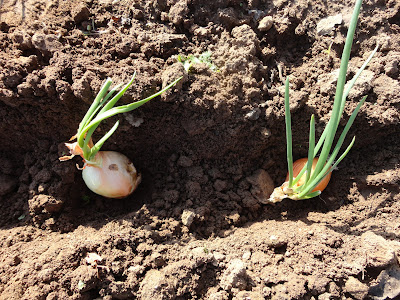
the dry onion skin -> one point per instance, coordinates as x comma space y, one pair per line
107, 173
312, 177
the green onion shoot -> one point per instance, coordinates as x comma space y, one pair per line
107, 173
308, 177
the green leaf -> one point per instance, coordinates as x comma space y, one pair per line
288, 121
310, 148
100, 143
92, 109
126, 108
92, 121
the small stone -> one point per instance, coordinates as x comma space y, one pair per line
325, 296
46, 43
15, 260
157, 259
381, 252
151, 285
134, 121
93, 259
234, 276
184, 161
253, 115
80, 13
388, 286
356, 288
248, 295
327, 25
188, 217
266, 23
246, 255
219, 256
45, 203
276, 241
262, 185
202, 254
220, 185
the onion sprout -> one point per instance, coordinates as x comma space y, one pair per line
326, 158
107, 173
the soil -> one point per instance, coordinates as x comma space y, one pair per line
208, 151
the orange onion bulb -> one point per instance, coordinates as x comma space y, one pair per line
298, 166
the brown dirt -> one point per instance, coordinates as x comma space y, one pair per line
195, 229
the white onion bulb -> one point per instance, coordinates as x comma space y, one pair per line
113, 177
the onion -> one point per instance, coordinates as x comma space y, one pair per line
314, 177
298, 166
107, 173
111, 174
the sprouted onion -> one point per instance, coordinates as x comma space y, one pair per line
315, 172
107, 173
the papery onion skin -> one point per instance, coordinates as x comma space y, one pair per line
298, 166
113, 177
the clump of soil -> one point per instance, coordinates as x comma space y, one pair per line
209, 151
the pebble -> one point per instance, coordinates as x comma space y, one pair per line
381, 252
246, 255
46, 43
388, 284
327, 25
244, 295
201, 252
234, 276
184, 161
219, 256
325, 296
187, 217
150, 287
276, 241
356, 288
265, 23
80, 13
262, 185
254, 114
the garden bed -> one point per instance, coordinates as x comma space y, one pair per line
195, 228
